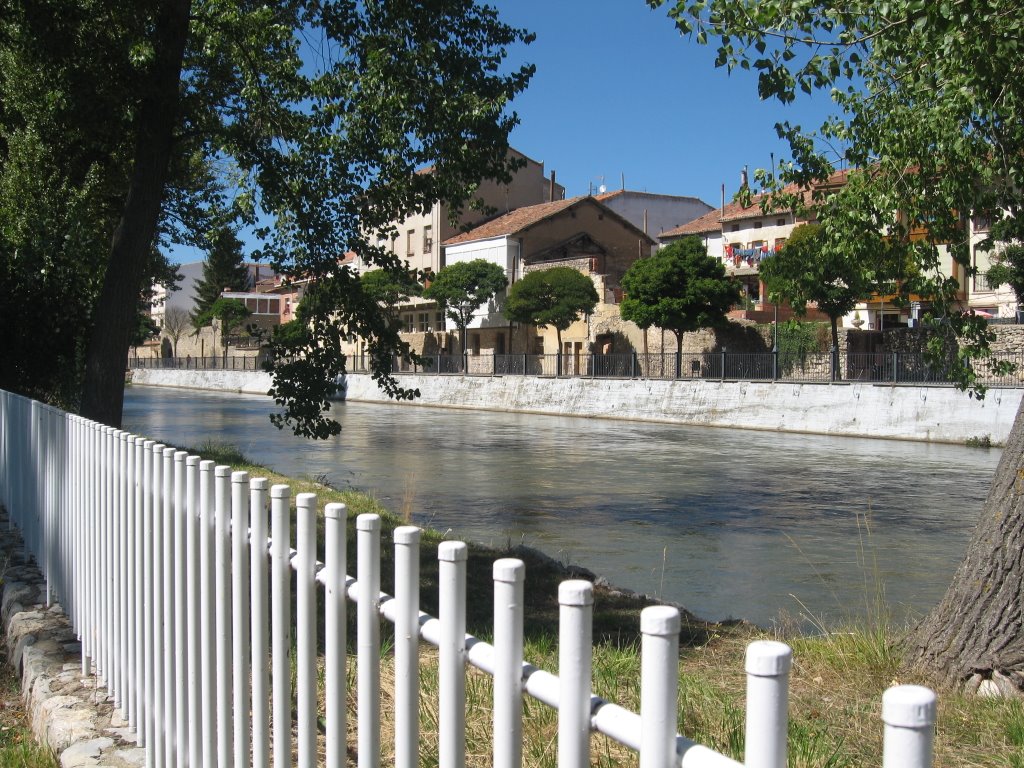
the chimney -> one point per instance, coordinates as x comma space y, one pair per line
551, 188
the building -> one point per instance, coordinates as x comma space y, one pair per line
654, 214
743, 235
581, 233
420, 236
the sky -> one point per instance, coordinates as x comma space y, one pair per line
619, 95
619, 92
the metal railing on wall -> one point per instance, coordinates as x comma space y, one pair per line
178, 576
824, 367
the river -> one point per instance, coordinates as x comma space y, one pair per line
769, 527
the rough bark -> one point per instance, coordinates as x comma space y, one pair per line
103, 389
975, 634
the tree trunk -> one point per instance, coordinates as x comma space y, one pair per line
976, 632
103, 389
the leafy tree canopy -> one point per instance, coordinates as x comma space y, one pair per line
230, 313
555, 297
680, 288
809, 270
928, 115
389, 288
307, 121
1009, 270
461, 288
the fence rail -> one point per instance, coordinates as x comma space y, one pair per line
880, 367
178, 576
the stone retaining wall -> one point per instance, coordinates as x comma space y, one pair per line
68, 711
937, 413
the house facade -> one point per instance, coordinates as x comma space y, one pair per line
580, 233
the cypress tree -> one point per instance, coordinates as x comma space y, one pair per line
223, 269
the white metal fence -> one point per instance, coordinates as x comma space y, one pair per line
189, 625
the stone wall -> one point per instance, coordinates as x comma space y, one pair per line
69, 712
939, 413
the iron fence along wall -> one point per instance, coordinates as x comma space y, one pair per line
178, 577
825, 367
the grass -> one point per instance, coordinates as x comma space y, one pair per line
18, 747
838, 677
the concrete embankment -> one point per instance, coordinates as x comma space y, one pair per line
937, 414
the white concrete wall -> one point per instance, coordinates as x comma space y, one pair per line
939, 414
246, 382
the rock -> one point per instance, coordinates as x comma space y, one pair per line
988, 689
973, 684
85, 752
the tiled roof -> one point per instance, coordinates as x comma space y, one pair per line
515, 221
709, 222
733, 211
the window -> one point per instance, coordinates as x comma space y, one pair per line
735, 228
407, 320
779, 242
428, 239
439, 321
757, 225
780, 222
408, 241
424, 322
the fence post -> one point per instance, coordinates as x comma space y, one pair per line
632, 365
240, 612
451, 586
147, 699
659, 685
909, 715
180, 671
508, 662
368, 639
722, 372
159, 740
138, 659
260, 619
222, 590
280, 623
208, 685
336, 517
895, 367
775, 364
558, 363
407, 596
575, 633
305, 626
679, 364
194, 615
767, 665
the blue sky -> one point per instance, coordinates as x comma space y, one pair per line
619, 91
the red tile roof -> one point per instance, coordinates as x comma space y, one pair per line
515, 221
733, 211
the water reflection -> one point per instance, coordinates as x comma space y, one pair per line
726, 522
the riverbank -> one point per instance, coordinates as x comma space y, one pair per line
924, 413
835, 684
